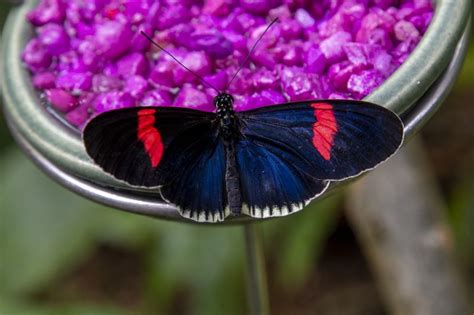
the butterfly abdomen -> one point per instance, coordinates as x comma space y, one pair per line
232, 179
228, 130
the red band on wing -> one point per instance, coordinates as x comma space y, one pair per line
149, 135
324, 129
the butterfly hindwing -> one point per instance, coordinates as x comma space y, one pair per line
270, 184
329, 140
176, 149
198, 188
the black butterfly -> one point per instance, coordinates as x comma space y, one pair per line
266, 162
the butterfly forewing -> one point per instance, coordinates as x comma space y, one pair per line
174, 148
329, 140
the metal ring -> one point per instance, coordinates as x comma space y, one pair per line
59, 151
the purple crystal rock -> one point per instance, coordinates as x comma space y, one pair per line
112, 38
190, 97
48, 11
315, 60
113, 100
216, 45
74, 81
132, 64
157, 98
364, 83
79, 115
136, 86
36, 56
103, 83
61, 100
333, 47
198, 62
54, 39
163, 73
256, 6
44, 80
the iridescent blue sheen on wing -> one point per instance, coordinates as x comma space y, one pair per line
198, 188
271, 185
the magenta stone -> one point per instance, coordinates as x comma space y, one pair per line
36, 56
190, 97
156, 98
112, 38
248, 21
332, 47
302, 87
78, 116
218, 80
103, 83
338, 96
172, 15
216, 7
282, 12
163, 73
290, 29
383, 62
264, 79
136, 86
315, 60
214, 44
198, 61
54, 38
405, 30
48, 11
113, 100
293, 56
263, 98
61, 100
132, 64
44, 80
263, 59
74, 81
241, 84
364, 83
304, 18
356, 53
256, 6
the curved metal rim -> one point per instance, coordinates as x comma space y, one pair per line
59, 151
431, 101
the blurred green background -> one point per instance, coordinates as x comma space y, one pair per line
61, 254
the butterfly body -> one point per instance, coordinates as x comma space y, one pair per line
229, 131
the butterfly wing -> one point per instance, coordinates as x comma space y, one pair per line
175, 149
330, 140
289, 152
271, 185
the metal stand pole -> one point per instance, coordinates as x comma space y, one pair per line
257, 292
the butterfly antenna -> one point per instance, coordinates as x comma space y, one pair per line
250, 53
174, 58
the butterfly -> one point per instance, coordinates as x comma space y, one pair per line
270, 161
265, 162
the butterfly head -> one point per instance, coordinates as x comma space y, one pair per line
223, 102
225, 113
